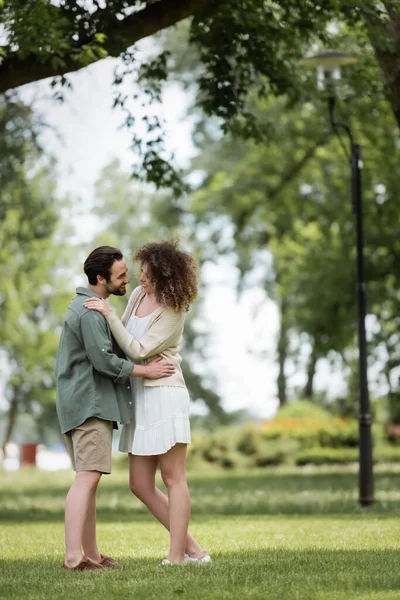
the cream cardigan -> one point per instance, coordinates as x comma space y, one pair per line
163, 338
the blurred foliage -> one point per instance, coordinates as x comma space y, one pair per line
335, 456
331, 431
279, 206
282, 209
301, 433
32, 300
243, 47
287, 441
303, 409
394, 407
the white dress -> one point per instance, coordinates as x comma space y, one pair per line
160, 414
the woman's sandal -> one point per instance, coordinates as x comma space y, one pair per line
205, 560
166, 563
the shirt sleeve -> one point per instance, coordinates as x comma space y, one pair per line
99, 349
164, 333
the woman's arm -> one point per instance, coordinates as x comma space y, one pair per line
163, 333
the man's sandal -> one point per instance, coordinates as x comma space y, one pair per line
86, 564
106, 561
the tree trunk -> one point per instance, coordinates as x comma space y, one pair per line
385, 39
121, 35
11, 418
308, 392
283, 344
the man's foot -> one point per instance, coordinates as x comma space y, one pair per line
106, 561
86, 564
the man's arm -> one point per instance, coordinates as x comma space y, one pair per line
154, 370
99, 349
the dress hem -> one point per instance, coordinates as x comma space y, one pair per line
154, 453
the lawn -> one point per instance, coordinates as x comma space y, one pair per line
273, 534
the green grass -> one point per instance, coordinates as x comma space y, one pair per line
273, 534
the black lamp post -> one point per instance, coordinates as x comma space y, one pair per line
328, 66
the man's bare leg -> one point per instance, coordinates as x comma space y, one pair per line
89, 542
80, 497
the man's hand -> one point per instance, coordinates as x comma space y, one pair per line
157, 368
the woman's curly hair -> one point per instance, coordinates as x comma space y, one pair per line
172, 272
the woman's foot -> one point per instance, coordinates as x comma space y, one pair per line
194, 550
198, 560
166, 562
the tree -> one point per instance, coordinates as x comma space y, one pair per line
77, 35
30, 308
292, 198
241, 46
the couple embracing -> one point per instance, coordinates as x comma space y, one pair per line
110, 371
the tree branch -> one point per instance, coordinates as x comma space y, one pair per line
120, 35
295, 168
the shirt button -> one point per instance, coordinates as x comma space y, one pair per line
130, 402
129, 387
102, 349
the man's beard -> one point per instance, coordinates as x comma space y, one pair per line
116, 291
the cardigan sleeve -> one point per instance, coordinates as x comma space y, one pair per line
163, 333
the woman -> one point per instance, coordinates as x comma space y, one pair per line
152, 325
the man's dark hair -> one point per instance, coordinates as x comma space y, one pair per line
99, 262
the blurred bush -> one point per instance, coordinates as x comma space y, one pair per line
302, 409
327, 456
332, 456
313, 426
325, 432
301, 433
393, 425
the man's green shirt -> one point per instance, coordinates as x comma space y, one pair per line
92, 374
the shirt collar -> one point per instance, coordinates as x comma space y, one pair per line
86, 292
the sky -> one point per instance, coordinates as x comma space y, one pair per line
84, 137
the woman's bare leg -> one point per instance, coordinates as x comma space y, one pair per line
142, 473
173, 473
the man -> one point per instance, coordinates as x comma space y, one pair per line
93, 394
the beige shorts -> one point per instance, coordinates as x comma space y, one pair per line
89, 445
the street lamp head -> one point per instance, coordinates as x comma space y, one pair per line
328, 64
